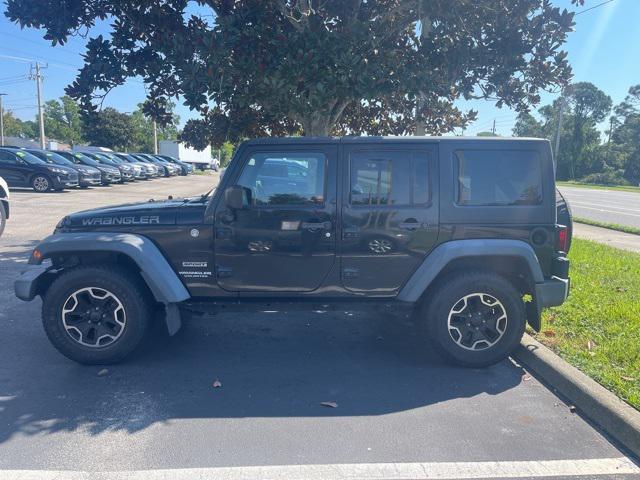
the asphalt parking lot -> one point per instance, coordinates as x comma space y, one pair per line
400, 412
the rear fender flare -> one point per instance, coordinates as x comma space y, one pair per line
445, 253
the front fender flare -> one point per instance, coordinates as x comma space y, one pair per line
161, 279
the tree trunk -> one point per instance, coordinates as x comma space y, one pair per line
316, 125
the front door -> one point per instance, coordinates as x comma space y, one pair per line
390, 214
283, 239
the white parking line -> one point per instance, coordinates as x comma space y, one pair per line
360, 471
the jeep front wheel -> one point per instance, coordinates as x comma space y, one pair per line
96, 314
475, 319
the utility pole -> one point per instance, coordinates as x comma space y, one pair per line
155, 137
1, 121
493, 129
606, 160
38, 78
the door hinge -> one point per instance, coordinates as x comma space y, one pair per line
350, 272
223, 272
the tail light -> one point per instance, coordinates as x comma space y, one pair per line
561, 238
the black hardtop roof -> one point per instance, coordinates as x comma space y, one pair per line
373, 139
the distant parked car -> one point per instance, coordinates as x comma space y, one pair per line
22, 169
87, 176
168, 168
4, 204
215, 164
147, 170
126, 171
108, 173
185, 168
158, 169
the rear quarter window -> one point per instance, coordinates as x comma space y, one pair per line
498, 177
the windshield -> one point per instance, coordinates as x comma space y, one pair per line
53, 158
85, 159
103, 159
29, 158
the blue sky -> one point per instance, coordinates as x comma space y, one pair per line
604, 49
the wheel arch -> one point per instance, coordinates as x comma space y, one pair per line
514, 260
135, 252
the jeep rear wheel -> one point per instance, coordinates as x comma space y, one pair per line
474, 319
96, 314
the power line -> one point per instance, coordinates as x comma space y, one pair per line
62, 49
592, 8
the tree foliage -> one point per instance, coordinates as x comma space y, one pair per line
62, 120
271, 67
583, 153
110, 128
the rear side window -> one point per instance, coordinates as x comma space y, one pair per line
498, 178
389, 178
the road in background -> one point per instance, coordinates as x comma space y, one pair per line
399, 412
610, 206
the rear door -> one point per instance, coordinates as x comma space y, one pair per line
283, 240
389, 214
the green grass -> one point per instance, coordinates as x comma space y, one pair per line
598, 328
610, 226
622, 188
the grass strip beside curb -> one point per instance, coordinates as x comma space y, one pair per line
610, 226
598, 328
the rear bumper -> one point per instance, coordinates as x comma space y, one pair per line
552, 292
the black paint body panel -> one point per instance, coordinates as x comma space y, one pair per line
265, 251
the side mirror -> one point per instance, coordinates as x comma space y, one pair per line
237, 197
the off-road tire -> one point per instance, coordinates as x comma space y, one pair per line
122, 283
434, 316
38, 181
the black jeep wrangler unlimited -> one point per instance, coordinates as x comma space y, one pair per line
460, 231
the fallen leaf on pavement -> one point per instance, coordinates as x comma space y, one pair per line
217, 383
329, 404
526, 377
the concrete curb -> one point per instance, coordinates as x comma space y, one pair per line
611, 414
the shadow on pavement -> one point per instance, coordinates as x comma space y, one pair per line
270, 365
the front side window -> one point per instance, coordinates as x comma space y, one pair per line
498, 178
293, 178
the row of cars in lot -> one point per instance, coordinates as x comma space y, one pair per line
46, 170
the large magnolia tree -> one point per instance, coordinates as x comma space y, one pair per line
271, 67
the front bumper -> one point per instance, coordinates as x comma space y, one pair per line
26, 286
67, 181
89, 179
